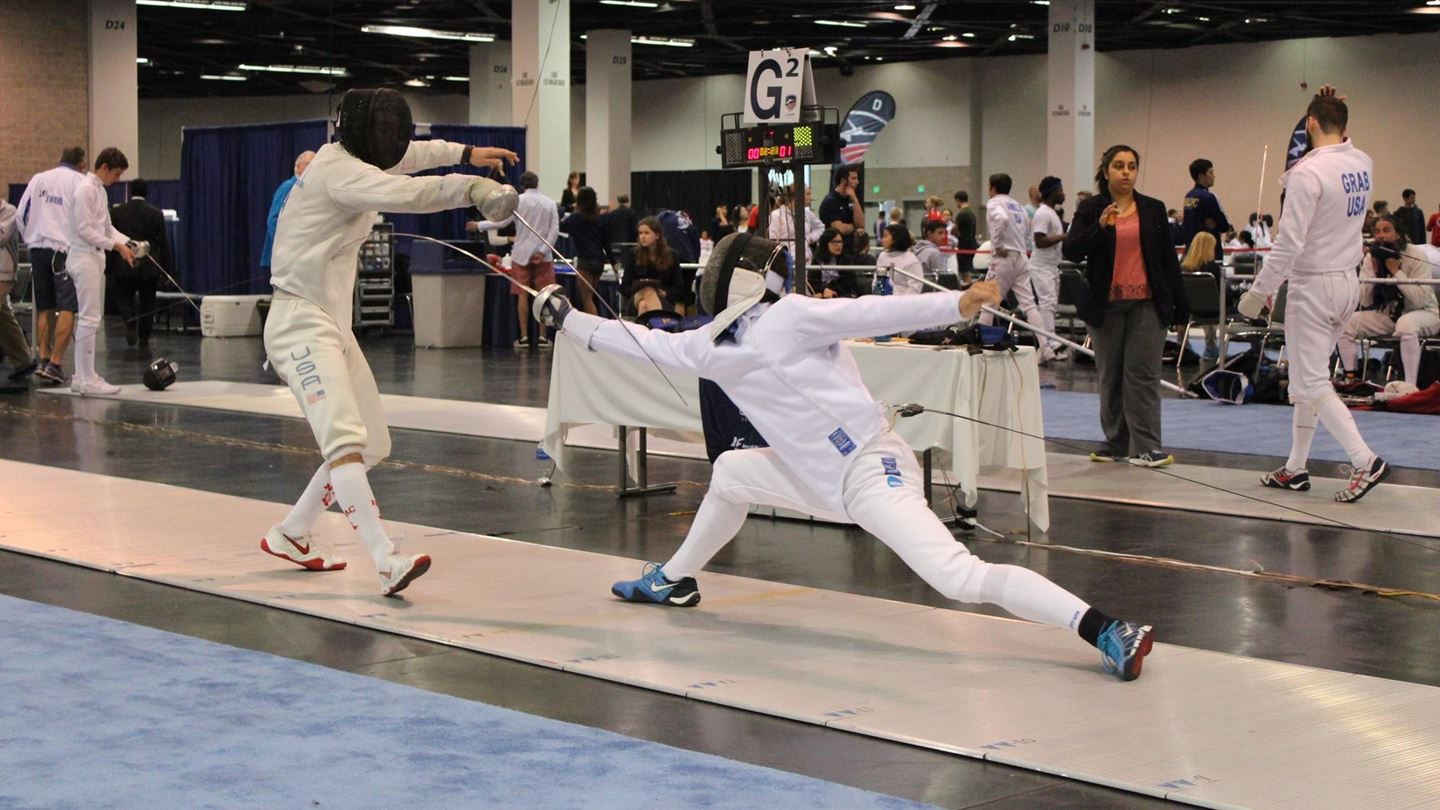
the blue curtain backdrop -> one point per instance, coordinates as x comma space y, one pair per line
451, 224
227, 177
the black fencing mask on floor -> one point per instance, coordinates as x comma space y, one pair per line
375, 126
160, 374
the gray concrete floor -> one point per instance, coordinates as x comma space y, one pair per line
471, 485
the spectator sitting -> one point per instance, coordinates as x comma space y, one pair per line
1200, 258
1405, 311
652, 275
895, 254
933, 237
831, 251
862, 250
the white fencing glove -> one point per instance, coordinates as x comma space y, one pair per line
1251, 304
496, 202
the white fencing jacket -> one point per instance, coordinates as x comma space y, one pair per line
788, 372
332, 206
1326, 195
1007, 223
45, 208
88, 228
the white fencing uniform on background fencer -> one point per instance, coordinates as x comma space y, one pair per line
1418, 316
1317, 247
1042, 294
308, 336
90, 235
1009, 228
832, 452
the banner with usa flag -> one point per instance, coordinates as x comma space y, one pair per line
862, 125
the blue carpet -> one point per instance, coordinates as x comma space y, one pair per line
1404, 440
101, 713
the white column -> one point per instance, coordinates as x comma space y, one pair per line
1070, 136
490, 84
607, 113
540, 71
114, 82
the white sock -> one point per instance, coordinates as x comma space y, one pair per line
316, 498
716, 524
1302, 433
352, 492
84, 352
1341, 424
1030, 596
1410, 358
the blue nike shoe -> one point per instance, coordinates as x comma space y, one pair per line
1123, 647
653, 588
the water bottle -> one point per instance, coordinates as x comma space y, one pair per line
882, 286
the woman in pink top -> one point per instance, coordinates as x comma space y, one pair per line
1133, 295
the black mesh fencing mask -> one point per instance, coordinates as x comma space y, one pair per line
160, 374
375, 126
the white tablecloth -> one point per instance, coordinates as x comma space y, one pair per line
998, 388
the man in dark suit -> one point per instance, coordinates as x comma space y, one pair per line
141, 221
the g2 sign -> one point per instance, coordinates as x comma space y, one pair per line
773, 85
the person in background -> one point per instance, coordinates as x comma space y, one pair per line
1177, 227
532, 262
142, 222
1200, 258
1039, 297
831, 251
277, 202
592, 249
1133, 295
44, 227
1411, 218
13, 344
895, 254
934, 209
652, 273
933, 236
1034, 204
571, 192
1379, 209
841, 209
91, 234
1202, 208
706, 246
720, 226
620, 222
1433, 226
742, 218
1406, 312
782, 221
862, 250
965, 236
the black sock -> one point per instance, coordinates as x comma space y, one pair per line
1092, 624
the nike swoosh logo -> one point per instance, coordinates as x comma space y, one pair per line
657, 588
302, 549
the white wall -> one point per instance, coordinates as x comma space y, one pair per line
1222, 102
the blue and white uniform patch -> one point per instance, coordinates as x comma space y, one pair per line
842, 441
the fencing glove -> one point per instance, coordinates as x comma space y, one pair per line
1251, 304
496, 202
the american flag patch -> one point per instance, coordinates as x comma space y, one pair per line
312, 398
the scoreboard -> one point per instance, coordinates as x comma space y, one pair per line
808, 142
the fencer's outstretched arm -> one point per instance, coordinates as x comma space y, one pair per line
1302, 191
367, 188
685, 351
822, 321
422, 155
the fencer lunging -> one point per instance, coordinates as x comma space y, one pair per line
308, 338
1317, 249
831, 453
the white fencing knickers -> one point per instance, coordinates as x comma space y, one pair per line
329, 377
86, 268
1010, 273
1039, 298
1317, 307
884, 495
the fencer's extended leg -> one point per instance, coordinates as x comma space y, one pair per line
1302, 433
884, 496
290, 539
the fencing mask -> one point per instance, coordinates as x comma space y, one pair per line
1229, 387
375, 126
743, 270
159, 374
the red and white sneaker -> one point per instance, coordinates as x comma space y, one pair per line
403, 571
301, 550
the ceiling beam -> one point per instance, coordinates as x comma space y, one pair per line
921, 20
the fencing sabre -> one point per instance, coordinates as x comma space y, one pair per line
596, 294
1037, 330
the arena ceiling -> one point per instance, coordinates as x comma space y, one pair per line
180, 45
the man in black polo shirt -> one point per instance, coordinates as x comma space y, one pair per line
841, 209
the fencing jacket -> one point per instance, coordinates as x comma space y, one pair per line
1326, 195
788, 372
332, 206
45, 207
89, 224
1008, 224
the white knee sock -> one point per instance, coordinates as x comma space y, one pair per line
84, 351
1410, 358
1302, 433
316, 498
1029, 596
1341, 424
352, 492
716, 524
1346, 346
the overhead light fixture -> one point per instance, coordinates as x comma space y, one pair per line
1010, 38
630, 3
140, 60
457, 78
830, 50
1203, 19
204, 5
425, 33
841, 23
1171, 11
416, 83
323, 71
1040, 2
215, 77
905, 7
968, 35
949, 37
672, 42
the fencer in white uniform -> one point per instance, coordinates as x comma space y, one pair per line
831, 450
90, 235
308, 335
1041, 296
1009, 228
1317, 248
